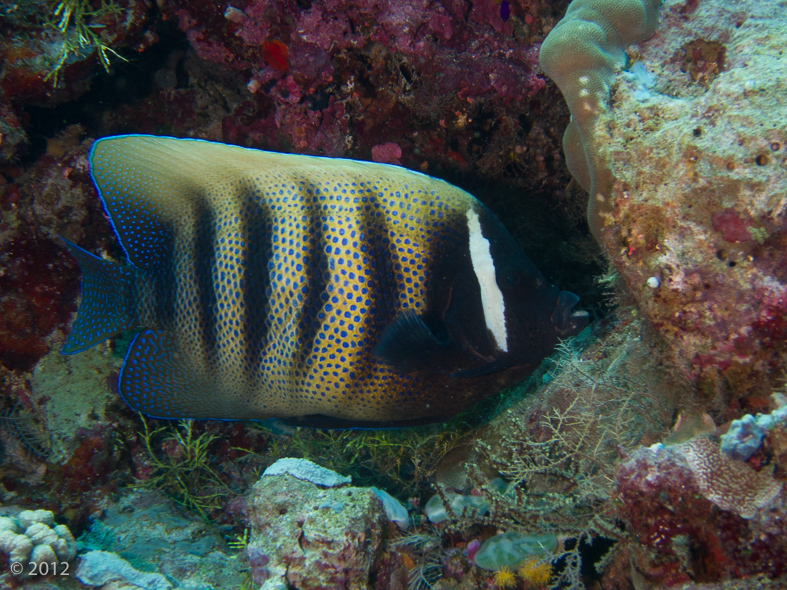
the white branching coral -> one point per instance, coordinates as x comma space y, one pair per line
559, 448
33, 537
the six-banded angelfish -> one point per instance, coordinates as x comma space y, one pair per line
330, 291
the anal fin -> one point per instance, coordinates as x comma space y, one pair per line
157, 380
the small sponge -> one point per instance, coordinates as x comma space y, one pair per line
582, 54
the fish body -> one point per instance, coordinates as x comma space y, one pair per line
322, 290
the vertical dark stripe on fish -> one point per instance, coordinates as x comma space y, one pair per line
381, 284
165, 282
256, 229
317, 276
205, 270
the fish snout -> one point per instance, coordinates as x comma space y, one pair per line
566, 322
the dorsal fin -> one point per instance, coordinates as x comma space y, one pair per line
148, 184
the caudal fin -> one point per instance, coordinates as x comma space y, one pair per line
107, 307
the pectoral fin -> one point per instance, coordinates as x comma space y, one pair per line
409, 345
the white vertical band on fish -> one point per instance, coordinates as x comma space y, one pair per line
484, 268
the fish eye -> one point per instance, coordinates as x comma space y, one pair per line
512, 278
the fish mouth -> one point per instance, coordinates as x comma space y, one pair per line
566, 322
495, 366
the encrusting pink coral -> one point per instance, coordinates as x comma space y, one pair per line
695, 514
376, 62
731, 485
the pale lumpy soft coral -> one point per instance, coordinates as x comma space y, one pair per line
33, 537
583, 54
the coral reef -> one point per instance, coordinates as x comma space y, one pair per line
49, 52
583, 54
695, 141
586, 478
39, 282
558, 449
696, 515
306, 470
73, 399
92, 443
143, 530
490, 123
337, 76
581, 456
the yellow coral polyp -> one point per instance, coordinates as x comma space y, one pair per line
504, 578
536, 574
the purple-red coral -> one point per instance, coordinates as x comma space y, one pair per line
385, 67
695, 514
732, 227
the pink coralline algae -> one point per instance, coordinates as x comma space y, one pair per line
695, 514
387, 153
385, 66
731, 226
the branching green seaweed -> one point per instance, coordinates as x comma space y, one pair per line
240, 542
184, 472
78, 23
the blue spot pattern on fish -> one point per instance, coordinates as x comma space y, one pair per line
326, 291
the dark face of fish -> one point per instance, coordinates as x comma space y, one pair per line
322, 291
491, 315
